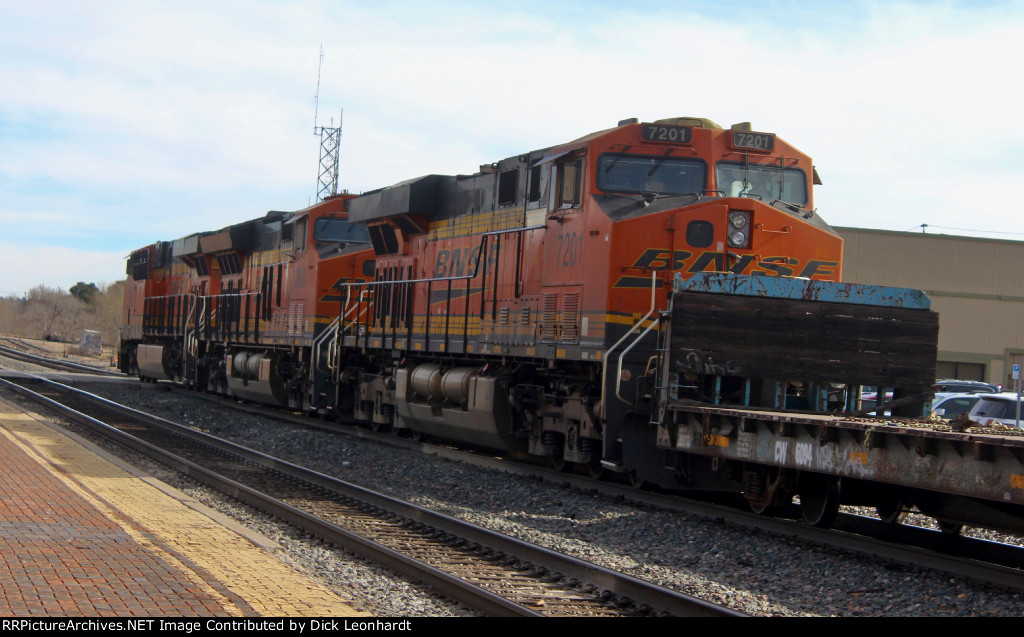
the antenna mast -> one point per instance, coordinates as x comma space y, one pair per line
330, 144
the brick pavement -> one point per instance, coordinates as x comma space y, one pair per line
81, 536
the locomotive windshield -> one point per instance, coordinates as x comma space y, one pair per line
762, 181
339, 230
644, 174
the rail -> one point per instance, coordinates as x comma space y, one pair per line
44, 361
473, 576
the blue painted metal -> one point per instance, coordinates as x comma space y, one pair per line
802, 289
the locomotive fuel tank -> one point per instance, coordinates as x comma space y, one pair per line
460, 404
156, 362
253, 375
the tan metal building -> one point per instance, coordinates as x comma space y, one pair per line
976, 286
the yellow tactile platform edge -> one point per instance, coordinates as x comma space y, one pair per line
224, 562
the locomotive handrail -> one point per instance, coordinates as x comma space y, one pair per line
160, 319
168, 296
353, 309
187, 339
784, 230
230, 294
463, 277
618, 378
477, 270
329, 331
607, 354
226, 326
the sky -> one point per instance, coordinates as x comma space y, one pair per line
124, 123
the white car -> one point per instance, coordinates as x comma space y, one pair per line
996, 408
950, 405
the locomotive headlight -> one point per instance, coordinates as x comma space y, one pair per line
738, 220
738, 223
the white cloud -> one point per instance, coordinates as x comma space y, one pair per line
135, 122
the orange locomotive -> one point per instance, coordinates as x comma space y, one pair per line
244, 309
513, 308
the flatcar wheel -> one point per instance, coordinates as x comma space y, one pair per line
950, 528
891, 511
819, 500
418, 436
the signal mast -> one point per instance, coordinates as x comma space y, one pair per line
330, 145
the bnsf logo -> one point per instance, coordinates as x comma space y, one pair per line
688, 262
462, 261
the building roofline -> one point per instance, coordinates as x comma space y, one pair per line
908, 234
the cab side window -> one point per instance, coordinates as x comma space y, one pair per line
300, 235
571, 191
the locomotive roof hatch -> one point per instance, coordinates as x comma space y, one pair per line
239, 237
406, 204
186, 246
697, 122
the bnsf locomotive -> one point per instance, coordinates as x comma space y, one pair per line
242, 310
633, 301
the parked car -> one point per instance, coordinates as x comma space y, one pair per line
949, 406
996, 408
950, 385
869, 395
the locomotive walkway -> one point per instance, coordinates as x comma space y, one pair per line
81, 534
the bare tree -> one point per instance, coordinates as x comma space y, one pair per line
10, 310
52, 313
106, 308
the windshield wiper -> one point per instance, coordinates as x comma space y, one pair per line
647, 198
661, 160
616, 159
795, 207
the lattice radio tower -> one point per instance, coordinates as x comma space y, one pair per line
330, 145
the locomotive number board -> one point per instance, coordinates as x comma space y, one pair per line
753, 141
664, 133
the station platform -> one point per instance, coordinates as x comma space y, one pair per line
82, 534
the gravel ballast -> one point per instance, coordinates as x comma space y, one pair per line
751, 572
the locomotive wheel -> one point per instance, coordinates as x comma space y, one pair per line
635, 480
595, 470
760, 507
559, 463
379, 427
819, 500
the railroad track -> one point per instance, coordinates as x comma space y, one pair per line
23, 346
986, 562
53, 363
490, 572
